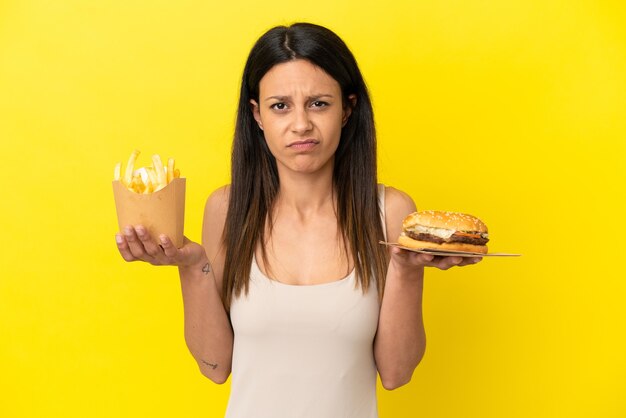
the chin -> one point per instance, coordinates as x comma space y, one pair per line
307, 164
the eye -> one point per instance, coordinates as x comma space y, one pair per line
279, 106
319, 103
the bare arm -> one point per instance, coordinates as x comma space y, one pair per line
208, 333
400, 341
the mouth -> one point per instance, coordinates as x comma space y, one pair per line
304, 144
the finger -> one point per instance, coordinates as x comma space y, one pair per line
151, 247
122, 247
411, 257
400, 252
168, 246
135, 246
425, 258
468, 261
447, 262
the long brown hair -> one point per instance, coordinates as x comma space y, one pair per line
254, 176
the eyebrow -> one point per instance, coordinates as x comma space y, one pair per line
314, 97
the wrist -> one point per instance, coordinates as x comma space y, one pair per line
201, 266
405, 273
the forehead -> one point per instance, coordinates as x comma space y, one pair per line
296, 76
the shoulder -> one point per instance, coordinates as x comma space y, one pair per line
218, 198
398, 205
398, 202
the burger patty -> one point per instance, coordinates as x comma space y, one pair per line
454, 238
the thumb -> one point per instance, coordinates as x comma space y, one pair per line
191, 252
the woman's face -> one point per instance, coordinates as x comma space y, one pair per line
301, 113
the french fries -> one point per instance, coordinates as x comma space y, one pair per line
146, 179
170, 170
128, 176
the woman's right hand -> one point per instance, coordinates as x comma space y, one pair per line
136, 244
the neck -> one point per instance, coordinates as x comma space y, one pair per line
306, 194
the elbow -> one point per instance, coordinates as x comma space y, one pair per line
400, 376
216, 376
219, 379
394, 382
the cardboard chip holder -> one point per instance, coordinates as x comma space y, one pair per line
161, 212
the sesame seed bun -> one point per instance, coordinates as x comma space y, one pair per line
443, 219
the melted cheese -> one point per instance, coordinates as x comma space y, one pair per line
438, 232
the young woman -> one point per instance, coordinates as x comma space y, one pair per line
290, 289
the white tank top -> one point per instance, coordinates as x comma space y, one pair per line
304, 351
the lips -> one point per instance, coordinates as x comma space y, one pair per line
304, 144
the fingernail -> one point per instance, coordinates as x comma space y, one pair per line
118, 238
128, 231
163, 239
140, 231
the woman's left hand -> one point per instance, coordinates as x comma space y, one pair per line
408, 259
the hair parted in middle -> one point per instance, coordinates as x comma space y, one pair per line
254, 175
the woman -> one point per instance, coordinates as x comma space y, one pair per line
290, 289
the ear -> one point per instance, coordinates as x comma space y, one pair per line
256, 112
347, 109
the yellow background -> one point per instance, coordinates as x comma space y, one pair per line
514, 111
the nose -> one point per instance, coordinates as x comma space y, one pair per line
301, 121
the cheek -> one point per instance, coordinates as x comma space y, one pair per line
273, 135
272, 124
333, 127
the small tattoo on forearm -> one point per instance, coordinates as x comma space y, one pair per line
213, 366
207, 268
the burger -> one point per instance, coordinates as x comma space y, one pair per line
441, 230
